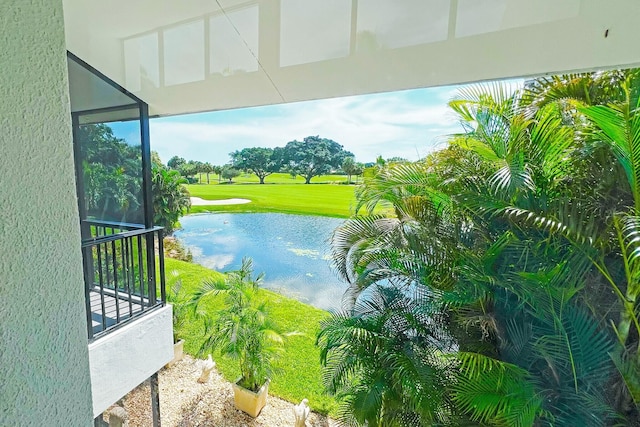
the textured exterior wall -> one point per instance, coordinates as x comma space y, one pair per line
44, 362
123, 359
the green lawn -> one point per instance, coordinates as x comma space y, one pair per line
300, 375
313, 199
278, 178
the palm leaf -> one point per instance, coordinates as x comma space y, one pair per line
492, 391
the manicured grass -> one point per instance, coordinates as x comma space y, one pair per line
278, 178
300, 373
313, 199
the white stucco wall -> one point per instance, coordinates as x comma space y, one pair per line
44, 363
123, 359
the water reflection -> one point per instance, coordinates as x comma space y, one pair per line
291, 249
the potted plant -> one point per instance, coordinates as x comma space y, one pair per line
243, 331
181, 303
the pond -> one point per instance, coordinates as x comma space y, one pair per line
292, 251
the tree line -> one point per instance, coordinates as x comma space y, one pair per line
308, 158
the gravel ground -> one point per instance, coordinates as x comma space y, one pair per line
185, 402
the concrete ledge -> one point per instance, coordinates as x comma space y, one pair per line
123, 359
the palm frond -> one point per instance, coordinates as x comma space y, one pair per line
494, 391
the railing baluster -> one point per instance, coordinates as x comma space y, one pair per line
101, 285
132, 264
163, 293
151, 267
125, 269
115, 279
89, 278
108, 283
141, 272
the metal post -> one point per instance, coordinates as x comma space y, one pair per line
85, 229
147, 195
163, 292
155, 399
146, 165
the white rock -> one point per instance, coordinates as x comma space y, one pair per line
207, 367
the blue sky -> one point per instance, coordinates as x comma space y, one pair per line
407, 124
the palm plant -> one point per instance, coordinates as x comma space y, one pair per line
207, 168
181, 302
418, 244
385, 360
503, 229
551, 361
552, 334
606, 232
243, 329
170, 197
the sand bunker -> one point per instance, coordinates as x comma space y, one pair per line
197, 201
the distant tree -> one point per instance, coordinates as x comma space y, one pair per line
207, 168
229, 173
188, 170
199, 168
175, 162
313, 156
350, 167
359, 171
257, 160
155, 159
397, 159
293, 173
218, 171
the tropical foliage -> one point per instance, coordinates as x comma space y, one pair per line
181, 303
243, 329
112, 175
112, 180
520, 241
170, 197
385, 361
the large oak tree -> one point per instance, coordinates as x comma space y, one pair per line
257, 160
312, 156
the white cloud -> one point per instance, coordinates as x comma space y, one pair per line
393, 124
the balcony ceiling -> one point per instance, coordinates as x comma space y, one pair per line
202, 55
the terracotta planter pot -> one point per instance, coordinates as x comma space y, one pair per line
248, 401
178, 353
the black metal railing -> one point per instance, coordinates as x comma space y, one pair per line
98, 228
120, 274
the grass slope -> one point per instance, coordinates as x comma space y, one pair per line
314, 199
300, 375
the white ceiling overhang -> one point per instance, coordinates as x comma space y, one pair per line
202, 55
